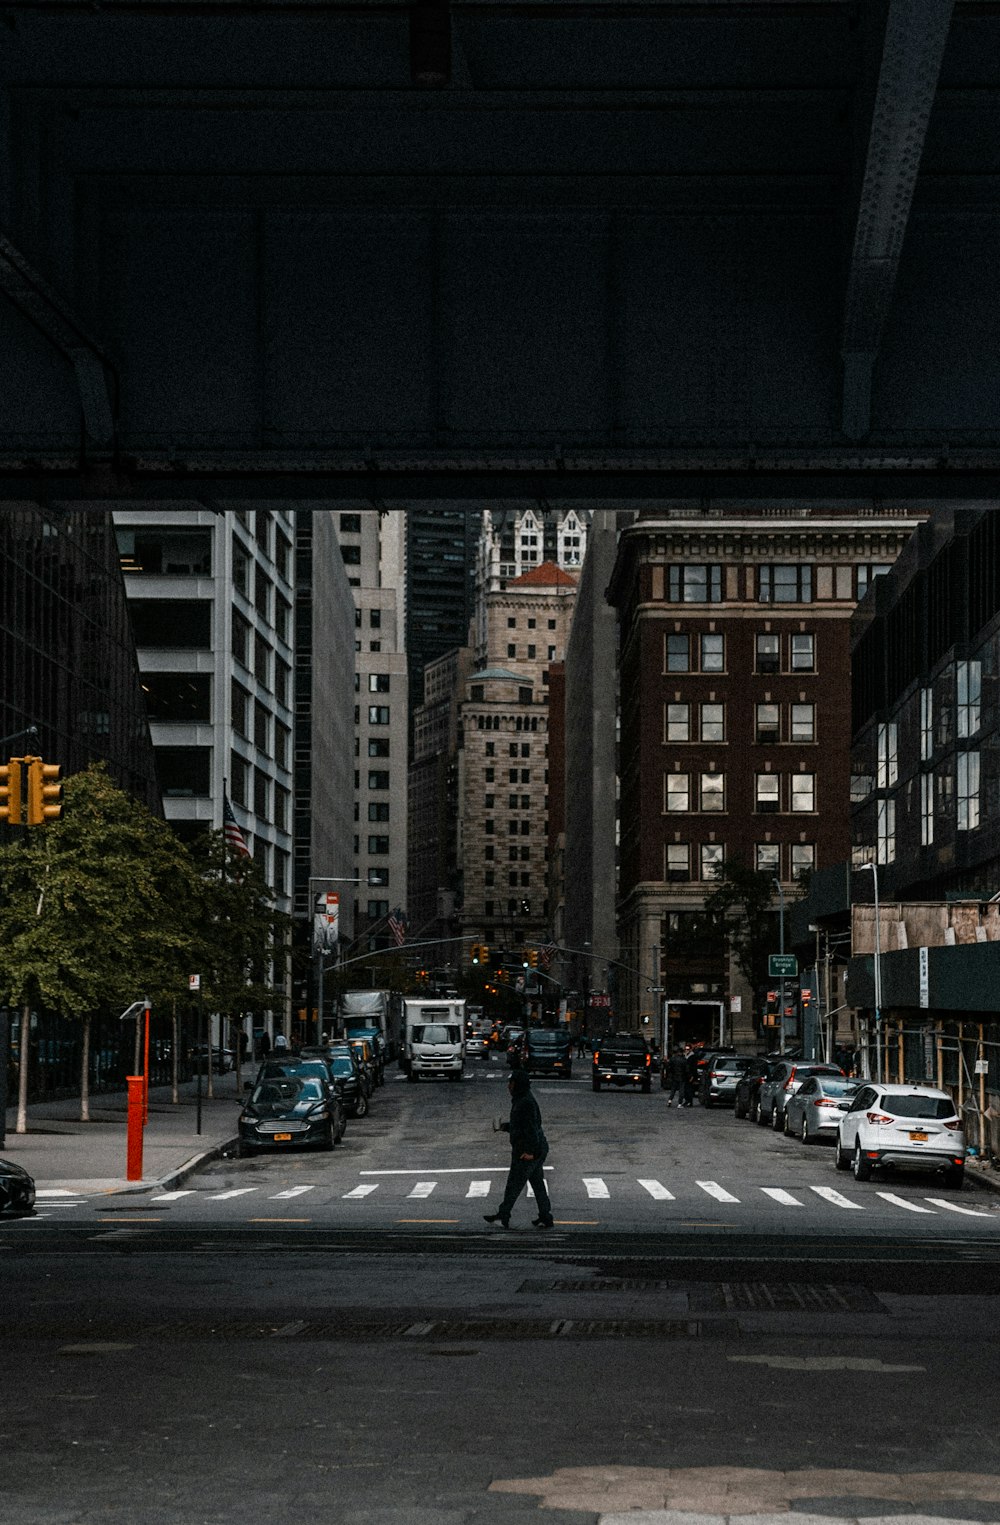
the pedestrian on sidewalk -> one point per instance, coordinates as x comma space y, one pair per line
264, 1044
528, 1152
690, 1075
280, 1043
676, 1069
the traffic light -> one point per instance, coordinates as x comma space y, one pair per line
475, 952
484, 953
533, 958
10, 792
44, 791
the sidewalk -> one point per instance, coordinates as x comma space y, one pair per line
62, 1152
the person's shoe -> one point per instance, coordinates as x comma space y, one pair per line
543, 1222
497, 1218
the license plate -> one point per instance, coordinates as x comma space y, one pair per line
282, 1138
919, 1138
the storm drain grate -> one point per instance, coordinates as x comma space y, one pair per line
769, 1297
600, 1284
434, 1330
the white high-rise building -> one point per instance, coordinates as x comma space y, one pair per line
512, 543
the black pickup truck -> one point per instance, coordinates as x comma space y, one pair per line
622, 1059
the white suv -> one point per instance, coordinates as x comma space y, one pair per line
914, 1127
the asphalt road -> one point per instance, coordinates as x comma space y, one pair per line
301, 1352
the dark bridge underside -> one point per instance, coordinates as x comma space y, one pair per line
614, 250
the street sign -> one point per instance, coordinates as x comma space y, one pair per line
735, 1003
782, 966
194, 981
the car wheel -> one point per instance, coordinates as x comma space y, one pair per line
329, 1140
760, 1119
410, 1075
804, 1131
954, 1176
786, 1126
840, 1159
243, 1151
777, 1119
595, 1083
739, 1113
361, 1107
861, 1168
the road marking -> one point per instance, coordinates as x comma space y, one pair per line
911, 1207
57, 1191
823, 1363
457, 1170
422, 1189
293, 1191
171, 1196
427, 1220
361, 1191
279, 1220
718, 1192
596, 1188
659, 1192
479, 1188
784, 1197
953, 1207
830, 1195
238, 1191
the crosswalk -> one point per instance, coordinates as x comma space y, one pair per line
457, 1184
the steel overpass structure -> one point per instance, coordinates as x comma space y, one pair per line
607, 250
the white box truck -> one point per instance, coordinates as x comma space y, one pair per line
433, 1038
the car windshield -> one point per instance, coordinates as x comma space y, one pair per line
831, 1086
548, 1038
287, 1091
730, 1062
902, 1105
272, 1071
435, 1032
342, 1066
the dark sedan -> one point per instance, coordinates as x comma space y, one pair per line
287, 1110
17, 1189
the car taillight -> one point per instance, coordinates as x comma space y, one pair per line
649, 1059
879, 1117
824, 1103
597, 1055
954, 1124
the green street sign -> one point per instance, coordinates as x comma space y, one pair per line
782, 966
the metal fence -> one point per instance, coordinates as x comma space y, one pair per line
54, 1047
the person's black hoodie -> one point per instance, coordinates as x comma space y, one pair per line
525, 1126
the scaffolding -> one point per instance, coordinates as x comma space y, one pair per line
962, 1058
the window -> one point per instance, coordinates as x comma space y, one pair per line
678, 722
282, 675
375, 619
512, 650
261, 728
282, 619
378, 682
490, 750
969, 678
183, 771
378, 746
378, 714
926, 808
713, 855
531, 653
281, 802
803, 722
713, 791
867, 573
166, 552
785, 584
803, 791
967, 790
282, 736
377, 909
885, 851
767, 793
261, 794
803, 653
926, 724
768, 653
678, 792
378, 812
378, 778
262, 593
678, 654
282, 556
176, 623
887, 754
350, 524
803, 859
180, 696
239, 772
378, 877
524, 697
678, 862
694, 584
351, 555
767, 858
712, 653
713, 722
241, 567
262, 661
768, 724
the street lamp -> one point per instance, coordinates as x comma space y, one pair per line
781, 949
318, 942
878, 973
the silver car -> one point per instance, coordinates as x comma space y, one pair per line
813, 1111
782, 1083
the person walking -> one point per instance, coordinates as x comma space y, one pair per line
264, 1044
676, 1071
690, 1075
528, 1151
280, 1043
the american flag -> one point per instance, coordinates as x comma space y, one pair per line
231, 829
397, 926
545, 955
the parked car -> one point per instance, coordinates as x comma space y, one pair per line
322, 1062
17, 1189
377, 1044
622, 1059
366, 1058
813, 1111
223, 1059
784, 1080
288, 1110
547, 1051
475, 1046
747, 1098
912, 1127
719, 1078
346, 1050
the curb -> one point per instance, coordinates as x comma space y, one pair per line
983, 1176
175, 1177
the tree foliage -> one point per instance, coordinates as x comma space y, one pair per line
741, 906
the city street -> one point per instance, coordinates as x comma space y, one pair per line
706, 1333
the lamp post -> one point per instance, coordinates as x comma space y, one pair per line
781, 949
318, 944
878, 973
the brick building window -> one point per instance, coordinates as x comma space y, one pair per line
767, 793
713, 722
967, 790
803, 722
678, 792
694, 584
678, 722
803, 859
678, 862
713, 791
785, 583
713, 855
767, 858
767, 724
678, 653
768, 653
803, 653
803, 791
713, 653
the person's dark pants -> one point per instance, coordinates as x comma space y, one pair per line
520, 1172
688, 1092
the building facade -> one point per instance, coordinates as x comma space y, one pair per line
514, 542
735, 726
440, 587
433, 797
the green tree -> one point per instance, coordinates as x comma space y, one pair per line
741, 907
95, 912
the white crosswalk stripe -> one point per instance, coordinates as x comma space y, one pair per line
478, 1189
658, 1190
173, 1196
238, 1191
422, 1189
912, 1207
293, 1191
784, 1197
835, 1197
361, 1191
953, 1207
718, 1192
596, 1188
